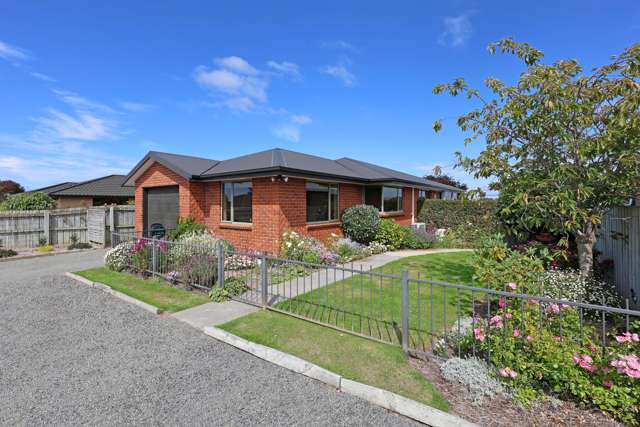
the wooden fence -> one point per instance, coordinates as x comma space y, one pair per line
25, 229
619, 240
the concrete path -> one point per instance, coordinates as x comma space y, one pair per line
72, 355
329, 275
213, 313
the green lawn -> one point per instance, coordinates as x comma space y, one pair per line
152, 291
372, 305
355, 358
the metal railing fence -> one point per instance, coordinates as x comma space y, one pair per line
425, 316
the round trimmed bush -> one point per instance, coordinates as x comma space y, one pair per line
360, 223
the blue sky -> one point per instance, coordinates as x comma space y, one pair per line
87, 88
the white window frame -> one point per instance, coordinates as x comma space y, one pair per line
232, 221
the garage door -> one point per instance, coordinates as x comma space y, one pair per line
161, 206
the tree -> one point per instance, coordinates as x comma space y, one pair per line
447, 180
8, 187
562, 145
28, 202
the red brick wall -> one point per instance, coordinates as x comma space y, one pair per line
276, 206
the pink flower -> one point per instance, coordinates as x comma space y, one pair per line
576, 358
557, 338
508, 315
496, 321
479, 334
607, 383
507, 372
501, 302
516, 333
628, 337
628, 365
529, 338
512, 286
553, 308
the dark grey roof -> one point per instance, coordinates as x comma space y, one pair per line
279, 160
189, 167
106, 186
53, 188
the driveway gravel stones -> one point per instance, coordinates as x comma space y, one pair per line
72, 355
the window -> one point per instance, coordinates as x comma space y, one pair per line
422, 196
236, 201
386, 199
449, 195
322, 202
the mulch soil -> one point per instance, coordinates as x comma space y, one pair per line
501, 411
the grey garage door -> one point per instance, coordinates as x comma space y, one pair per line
161, 206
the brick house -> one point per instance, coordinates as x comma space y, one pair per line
101, 191
250, 200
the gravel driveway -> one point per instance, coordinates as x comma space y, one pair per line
72, 355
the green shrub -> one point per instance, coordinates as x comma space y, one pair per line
186, 226
28, 202
233, 286
118, 258
6, 253
75, 244
360, 223
496, 265
391, 234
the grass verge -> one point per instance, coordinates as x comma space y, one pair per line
355, 358
152, 291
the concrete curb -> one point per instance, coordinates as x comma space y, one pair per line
105, 288
21, 257
377, 396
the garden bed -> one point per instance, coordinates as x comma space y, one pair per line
36, 252
153, 291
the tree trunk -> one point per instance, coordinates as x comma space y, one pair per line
585, 240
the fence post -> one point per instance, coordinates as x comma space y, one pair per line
220, 251
153, 256
405, 311
264, 280
112, 223
46, 222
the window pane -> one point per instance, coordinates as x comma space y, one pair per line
242, 201
226, 201
392, 199
373, 196
317, 202
333, 195
422, 196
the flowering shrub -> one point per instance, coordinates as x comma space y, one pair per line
571, 285
377, 248
348, 250
233, 286
118, 257
538, 350
240, 262
496, 264
299, 247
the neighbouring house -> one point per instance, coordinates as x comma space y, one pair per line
250, 200
95, 192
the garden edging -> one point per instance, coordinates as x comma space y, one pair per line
54, 253
104, 288
377, 396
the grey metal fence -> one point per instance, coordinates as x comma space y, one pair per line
425, 316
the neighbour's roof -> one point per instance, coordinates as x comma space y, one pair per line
53, 188
106, 186
281, 161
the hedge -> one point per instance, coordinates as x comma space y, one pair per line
459, 213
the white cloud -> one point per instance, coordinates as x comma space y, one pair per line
80, 103
82, 126
43, 77
136, 107
287, 132
12, 53
457, 30
237, 64
340, 72
339, 44
287, 68
240, 85
301, 119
